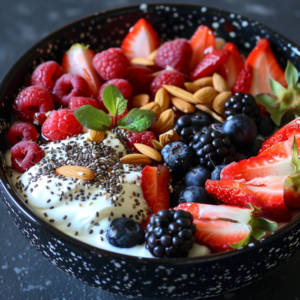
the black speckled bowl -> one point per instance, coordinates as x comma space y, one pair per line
126, 275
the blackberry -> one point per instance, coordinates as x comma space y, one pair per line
213, 148
170, 233
244, 104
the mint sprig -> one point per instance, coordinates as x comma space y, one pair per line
113, 100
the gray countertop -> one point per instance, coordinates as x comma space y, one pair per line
25, 274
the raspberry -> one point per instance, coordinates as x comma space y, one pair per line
46, 74
123, 85
25, 155
33, 100
176, 54
111, 64
143, 137
69, 86
77, 102
167, 77
140, 78
22, 132
60, 125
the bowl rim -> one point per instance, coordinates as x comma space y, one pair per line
62, 235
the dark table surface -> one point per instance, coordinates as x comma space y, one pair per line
25, 274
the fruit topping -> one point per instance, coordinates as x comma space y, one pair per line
22, 132
197, 176
244, 80
140, 78
216, 173
195, 194
265, 126
143, 137
77, 102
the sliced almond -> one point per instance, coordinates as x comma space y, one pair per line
76, 172
220, 42
180, 93
164, 123
97, 136
140, 100
203, 82
169, 137
210, 112
183, 105
219, 102
142, 61
205, 95
157, 145
156, 73
149, 151
220, 84
154, 107
152, 55
162, 98
191, 87
136, 159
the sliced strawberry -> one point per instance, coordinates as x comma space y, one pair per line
244, 80
265, 66
141, 40
78, 60
202, 43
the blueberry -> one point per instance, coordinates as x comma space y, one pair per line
195, 194
256, 147
197, 176
241, 129
184, 121
178, 186
240, 156
265, 126
215, 174
200, 119
177, 156
216, 126
125, 233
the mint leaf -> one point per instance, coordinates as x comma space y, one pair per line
291, 74
137, 120
92, 118
110, 95
277, 88
121, 105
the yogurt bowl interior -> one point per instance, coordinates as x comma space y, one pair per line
121, 273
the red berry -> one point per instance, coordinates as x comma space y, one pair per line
244, 80
46, 74
169, 78
143, 137
77, 102
176, 54
33, 100
25, 155
60, 125
69, 86
118, 118
140, 78
111, 64
22, 132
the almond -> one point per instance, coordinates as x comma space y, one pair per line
156, 73
136, 159
149, 151
140, 100
210, 112
219, 102
97, 136
152, 55
220, 84
162, 98
180, 93
164, 123
154, 107
142, 61
157, 145
191, 87
205, 95
220, 42
203, 82
182, 105
76, 172
169, 137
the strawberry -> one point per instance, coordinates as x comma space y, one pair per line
141, 40
78, 60
244, 80
202, 43
224, 227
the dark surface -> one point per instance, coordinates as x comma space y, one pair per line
24, 274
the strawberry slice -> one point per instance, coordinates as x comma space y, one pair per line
141, 40
265, 66
244, 80
202, 43
78, 60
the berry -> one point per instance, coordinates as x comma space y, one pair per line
69, 86
60, 125
169, 78
195, 194
77, 102
170, 234
22, 132
176, 54
177, 156
33, 100
255, 147
197, 176
241, 129
242, 104
200, 119
265, 126
184, 128
215, 174
46, 74
111, 64
140, 78
125, 233
244, 80
177, 187
216, 126
143, 137
25, 155
213, 148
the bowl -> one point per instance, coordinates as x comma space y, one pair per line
122, 274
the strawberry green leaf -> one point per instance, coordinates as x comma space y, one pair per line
266, 100
258, 234
291, 74
92, 118
137, 120
277, 88
264, 224
110, 95
243, 242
